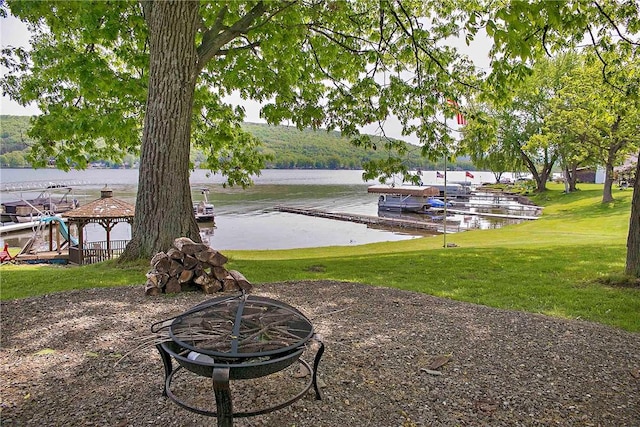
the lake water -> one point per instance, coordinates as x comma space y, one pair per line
246, 219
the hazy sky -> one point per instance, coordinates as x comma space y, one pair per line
14, 33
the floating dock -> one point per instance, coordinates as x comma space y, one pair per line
365, 219
491, 215
46, 257
436, 226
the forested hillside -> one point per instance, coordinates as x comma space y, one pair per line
289, 148
292, 148
13, 133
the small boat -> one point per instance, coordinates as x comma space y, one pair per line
404, 198
27, 210
203, 210
438, 203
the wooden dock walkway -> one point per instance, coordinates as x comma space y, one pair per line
492, 215
393, 222
46, 257
364, 219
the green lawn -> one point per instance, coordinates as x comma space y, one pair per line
562, 265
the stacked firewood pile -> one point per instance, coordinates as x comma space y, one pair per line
192, 266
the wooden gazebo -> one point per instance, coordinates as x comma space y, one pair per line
106, 211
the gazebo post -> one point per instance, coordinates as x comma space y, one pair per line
81, 242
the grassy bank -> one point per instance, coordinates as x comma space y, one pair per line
560, 265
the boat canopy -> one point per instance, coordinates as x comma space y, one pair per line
405, 190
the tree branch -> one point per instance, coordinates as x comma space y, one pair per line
604, 63
218, 35
544, 41
422, 48
250, 45
613, 24
329, 34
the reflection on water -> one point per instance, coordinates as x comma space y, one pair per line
245, 218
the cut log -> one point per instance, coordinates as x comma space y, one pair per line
189, 262
241, 281
215, 258
212, 287
163, 265
202, 280
172, 286
188, 246
185, 276
219, 273
151, 289
174, 253
175, 269
153, 278
202, 256
157, 257
211, 256
229, 284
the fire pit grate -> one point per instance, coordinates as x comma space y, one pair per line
234, 338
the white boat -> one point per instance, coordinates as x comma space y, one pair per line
203, 210
407, 198
28, 210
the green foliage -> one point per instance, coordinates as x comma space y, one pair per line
527, 130
88, 79
309, 149
13, 133
593, 122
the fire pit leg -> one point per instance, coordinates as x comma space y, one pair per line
316, 362
168, 367
224, 409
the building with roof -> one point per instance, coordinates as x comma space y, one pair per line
107, 212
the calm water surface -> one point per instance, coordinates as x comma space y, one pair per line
246, 219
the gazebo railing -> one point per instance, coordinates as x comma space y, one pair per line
97, 251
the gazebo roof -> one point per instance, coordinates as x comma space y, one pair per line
106, 207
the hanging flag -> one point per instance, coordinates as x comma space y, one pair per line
459, 116
467, 173
439, 175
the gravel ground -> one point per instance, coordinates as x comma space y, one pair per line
61, 363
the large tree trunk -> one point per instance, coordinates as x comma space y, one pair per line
612, 151
163, 204
570, 177
633, 240
607, 195
541, 176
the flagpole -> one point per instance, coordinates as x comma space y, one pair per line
444, 235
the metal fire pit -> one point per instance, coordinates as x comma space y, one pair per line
234, 338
